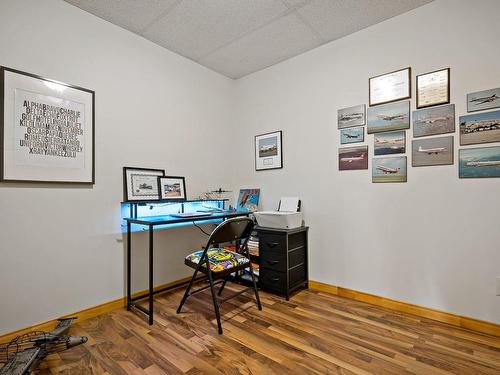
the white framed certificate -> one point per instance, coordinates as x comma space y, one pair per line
390, 87
433, 88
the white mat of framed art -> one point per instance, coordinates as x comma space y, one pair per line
47, 130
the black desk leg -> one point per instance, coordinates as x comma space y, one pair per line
151, 295
129, 265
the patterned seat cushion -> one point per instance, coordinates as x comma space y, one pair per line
220, 259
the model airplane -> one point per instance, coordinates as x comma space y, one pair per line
351, 116
211, 193
350, 160
400, 116
23, 354
430, 151
385, 169
486, 99
490, 163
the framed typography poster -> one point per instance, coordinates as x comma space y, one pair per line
46, 130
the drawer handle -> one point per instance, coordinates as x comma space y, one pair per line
272, 244
272, 262
275, 280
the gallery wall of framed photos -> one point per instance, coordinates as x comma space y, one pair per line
434, 131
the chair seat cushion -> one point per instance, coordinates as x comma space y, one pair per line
219, 259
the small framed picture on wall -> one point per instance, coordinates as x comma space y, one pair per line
268, 151
390, 87
433, 88
172, 188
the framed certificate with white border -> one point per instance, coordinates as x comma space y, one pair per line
433, 88
390, 87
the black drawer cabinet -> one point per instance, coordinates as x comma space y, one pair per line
283, 265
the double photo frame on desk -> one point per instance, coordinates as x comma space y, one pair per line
147, 184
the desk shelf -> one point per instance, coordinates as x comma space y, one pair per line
164, 208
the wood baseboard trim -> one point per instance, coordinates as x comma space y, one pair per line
90, 312
424, 312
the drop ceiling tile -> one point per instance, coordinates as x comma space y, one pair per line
133, 15
195, 28
284, 38
334, 19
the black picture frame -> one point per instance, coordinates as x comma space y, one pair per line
279, 135
3, 70
160, 189
126, 191
407, 96
446, 101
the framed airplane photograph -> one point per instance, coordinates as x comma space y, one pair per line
352, 135
268, 151
479, 128
480, 162
389, 143
433, 88
390, 87
353, 158
434, 120
352, 116
395, 116
481, 100
141, 184
432, 151
390, 169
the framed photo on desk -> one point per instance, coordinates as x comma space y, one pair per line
172, 188
141, 184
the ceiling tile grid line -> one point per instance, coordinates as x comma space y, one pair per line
162, 14
289, 11
318, 34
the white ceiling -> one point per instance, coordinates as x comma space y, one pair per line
239, 37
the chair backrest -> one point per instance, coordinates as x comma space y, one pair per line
238, 228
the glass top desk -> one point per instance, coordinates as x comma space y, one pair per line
138, 217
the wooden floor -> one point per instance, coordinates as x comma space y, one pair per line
313, 333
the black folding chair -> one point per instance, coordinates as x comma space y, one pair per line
221, 262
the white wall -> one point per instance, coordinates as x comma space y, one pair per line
59, 249
434, 241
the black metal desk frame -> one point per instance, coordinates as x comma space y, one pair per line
150, 224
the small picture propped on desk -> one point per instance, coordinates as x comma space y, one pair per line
172, 188
248, 200
140, 184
